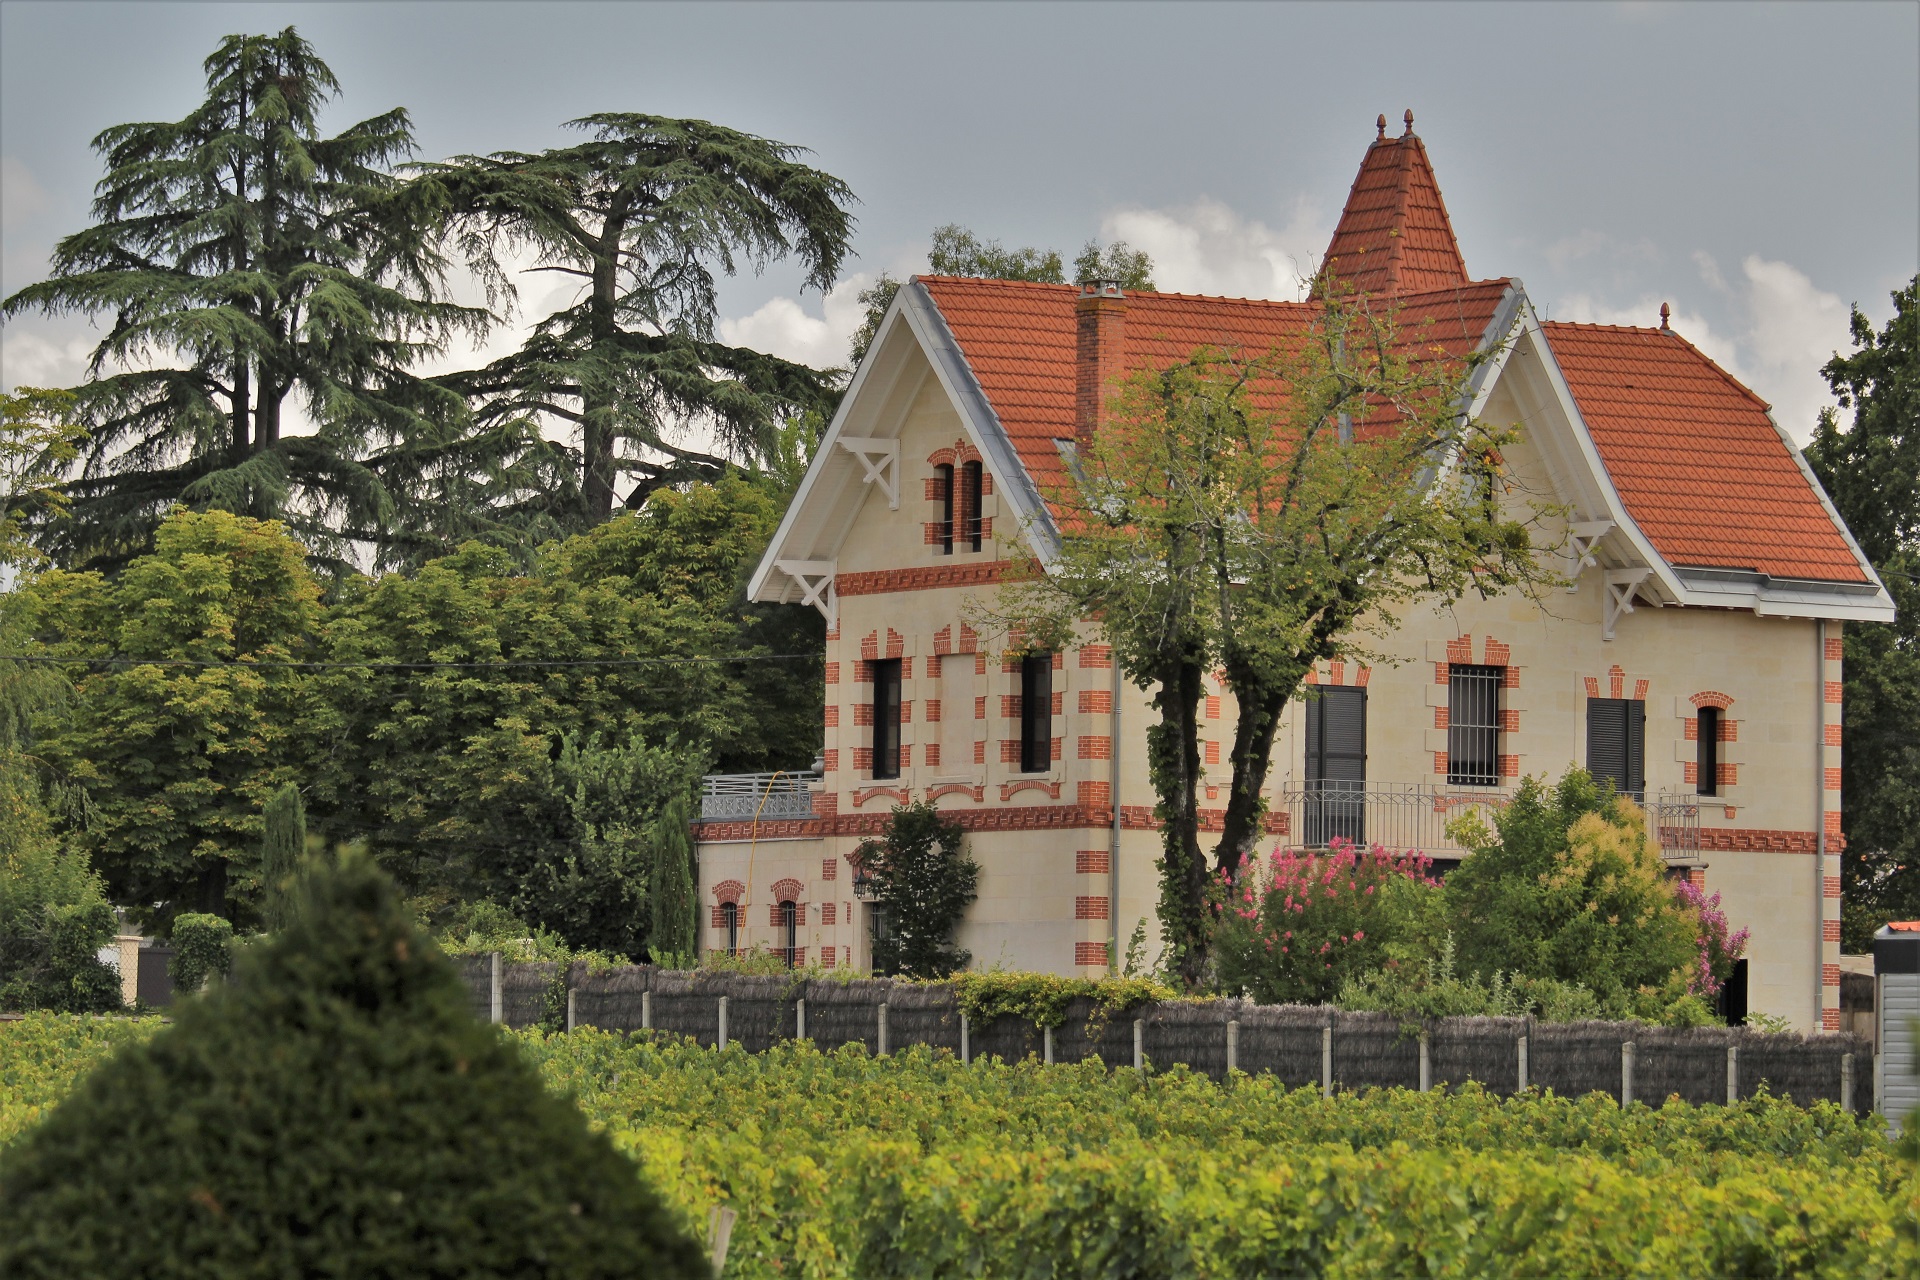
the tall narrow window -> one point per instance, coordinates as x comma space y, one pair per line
886, 718
789, 930
970, 504
1473, 725
1707, 757
730, 925
1336, 765
1036, 713
944, 482
1617, 744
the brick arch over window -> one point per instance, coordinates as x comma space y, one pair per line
1711, 698
1615, 685
1339, 673
788, 890
960, 451
729, 891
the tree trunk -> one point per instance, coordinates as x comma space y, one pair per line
1254, 728
242, 443
1173, 761
596, 402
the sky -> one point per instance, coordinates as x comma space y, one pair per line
1757, 166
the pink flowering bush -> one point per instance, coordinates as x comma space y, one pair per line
1295, 929
1719, 949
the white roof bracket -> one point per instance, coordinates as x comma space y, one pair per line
1621, 584
880, 459
816, 585
1582, 537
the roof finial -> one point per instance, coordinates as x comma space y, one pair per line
1383, 127
1665, 311
1409, 120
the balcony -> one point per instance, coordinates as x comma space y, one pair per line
1415, 816
743, 797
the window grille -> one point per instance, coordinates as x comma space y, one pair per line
1335, 800
1617, 744
730, 922
1036, 713
1473, 725
789, 930
944, 472
878, 934
1707, 761
970, 487
886, 718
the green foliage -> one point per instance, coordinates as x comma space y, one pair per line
1568, 885
202, 951
1042, 998
923, 881
957, 251
284, 844
37, 442
1130, 268
386, 1132
1436, 989
1871, 470
53, 915
672, 897
247, 259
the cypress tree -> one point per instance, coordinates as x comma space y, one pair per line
280, 853
671, 893
333, 1109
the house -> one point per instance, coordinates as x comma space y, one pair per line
1695, 659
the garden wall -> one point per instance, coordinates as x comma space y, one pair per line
1299, 1045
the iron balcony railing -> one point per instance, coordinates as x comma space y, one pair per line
745, 796
1415, 816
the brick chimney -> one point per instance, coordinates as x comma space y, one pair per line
1100, 329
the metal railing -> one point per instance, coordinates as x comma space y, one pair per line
1415, 816
742, 796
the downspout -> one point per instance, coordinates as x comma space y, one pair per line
1113, 838
1819, 821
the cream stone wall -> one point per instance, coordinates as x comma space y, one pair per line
1047, 895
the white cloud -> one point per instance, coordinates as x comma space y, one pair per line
1787, 328
1206, 247
29, 360
784, 328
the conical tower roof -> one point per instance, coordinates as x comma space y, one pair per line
1394, 235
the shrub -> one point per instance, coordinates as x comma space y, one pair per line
331, 1110
284, 844
202, 951
53, 916
1436, 990
1298, 929
1719, 948
670, 893
924, 882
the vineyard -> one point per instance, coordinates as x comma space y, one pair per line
841, 1163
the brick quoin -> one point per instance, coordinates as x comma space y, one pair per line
1440, 672
1829, 1019
829, 958
1831, 887
1439, 762
933, 753
863, 759
1836, 649
980, 707
1833, 735
1059, 749
1009, 751
1213, 707
1093, 747
1727, 775
829, 913
833, 673
1834, 690
832, 720
1510, 721
933, 711
1096, 702
1830, 930
862, 713
1088, 907
1509, 766
1096, 657
833, 759
980, 753
1090, 953
1440, 717
1829, 975
829, 868
1832, 823
1213, 753
1057, 705
1833, 779
1094, 795
1092, 862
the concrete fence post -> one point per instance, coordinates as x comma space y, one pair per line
1233, 1045
1046, 1045
497, 1004
1139, 1044
883, 1029
570, 1021
1733, 1074
800, 1018
1523, 1064
646, 1010
1426, 1062
1846, 1083
128, 946
1628, 1052
1879, 1106
723, 1023
1326, 1062
966, 1048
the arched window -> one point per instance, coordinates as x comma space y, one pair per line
730, 925
945, 484
970, 504
789, 930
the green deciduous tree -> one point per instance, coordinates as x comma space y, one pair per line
335, 1110
923, 881
644, 215
1871, 469
37, 443
54, 916
250, 262
1258, 512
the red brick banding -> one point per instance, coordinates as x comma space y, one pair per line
976, 573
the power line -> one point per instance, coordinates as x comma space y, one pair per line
504, 665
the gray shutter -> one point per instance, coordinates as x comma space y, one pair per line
1337, 735
1617, 743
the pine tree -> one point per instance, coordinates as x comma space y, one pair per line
248, 261
672, 896
280, 852
643, 215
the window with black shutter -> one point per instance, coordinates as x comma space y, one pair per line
1336, 765
1473, 725
970, 505
1617, 744
730, 922
1036, 713
1707, 758
886, 718
944, 482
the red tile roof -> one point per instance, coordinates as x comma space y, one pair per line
1019, 340
1394, 234
1696, 460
